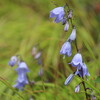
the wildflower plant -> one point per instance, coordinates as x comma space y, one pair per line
66, 17
21, 70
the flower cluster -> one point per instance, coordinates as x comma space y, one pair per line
66, 49
21, 70
61, 16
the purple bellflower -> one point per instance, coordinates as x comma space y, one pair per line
12, 61
77, 61
72, 37
58, 13
66, 49
22, 80
83, 71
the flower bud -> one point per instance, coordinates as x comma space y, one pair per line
77, 88
72, 37
70, 14
69, 79
12, 61
66, 26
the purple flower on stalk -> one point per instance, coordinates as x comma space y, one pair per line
66, 26
77, 88
58, 13
77, 61
22, 77
82, 71
72, 37
12, 61
66, 49
69, 79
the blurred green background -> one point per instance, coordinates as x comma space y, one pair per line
25, 23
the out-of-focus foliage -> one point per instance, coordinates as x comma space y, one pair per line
25, 23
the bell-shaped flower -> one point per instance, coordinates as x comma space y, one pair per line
77, 61
77, 88
12, 61
58, 13
66, 26
69, 79
66, 49
82, 71
72, 37
22, 80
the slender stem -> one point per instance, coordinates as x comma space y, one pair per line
30, 84
84, 85
85, 89
71, 23
72, 27
76, 45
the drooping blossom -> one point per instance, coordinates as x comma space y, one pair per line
58, 13
66, 49
12, 61
77, 61
82, 71
72, 37
22, 80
